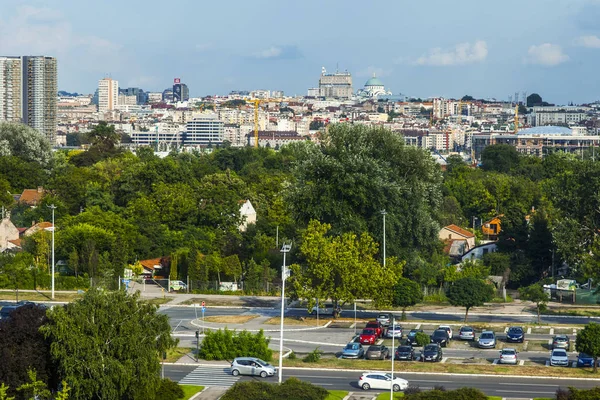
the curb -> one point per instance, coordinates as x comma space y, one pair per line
314, 328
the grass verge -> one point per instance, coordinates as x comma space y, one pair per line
176, 353
230, 319
336, 395
158, 300
40, 296
463, 368
386, 396
190, 390
297, 322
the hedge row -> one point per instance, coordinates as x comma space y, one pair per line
293, 388
227, 345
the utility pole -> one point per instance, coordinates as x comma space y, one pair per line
53, 207
284, 249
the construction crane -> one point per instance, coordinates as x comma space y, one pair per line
516, 119
256, 103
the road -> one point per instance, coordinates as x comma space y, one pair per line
344, 380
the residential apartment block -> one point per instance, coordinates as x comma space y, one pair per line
108, 94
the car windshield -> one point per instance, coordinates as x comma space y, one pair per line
466, 329
374, 348
515, 330
261, 362
508, 352
440, 333
368, 331
352, 346
372, 325
404, 348
430, 347
560, 339
396, 327
559, 353
412, 333
383, 316
487, 335
583, 355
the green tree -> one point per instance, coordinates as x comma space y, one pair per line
407, 293
534, 99
341, 268
534, 293
469, 292
4, 392
16, 271
105, 344
24, 142
499, 158
498, 263
35, 388
588, 342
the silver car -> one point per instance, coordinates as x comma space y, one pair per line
394, 332
559, 357
252, 366
466, 333
385, 319
508, 356
487, 340
353, 350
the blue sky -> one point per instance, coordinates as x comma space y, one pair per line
420, 48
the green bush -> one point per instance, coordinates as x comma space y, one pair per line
313, 357
422, 339
169, 390
292, 356
291, 389
578, 394
227, 345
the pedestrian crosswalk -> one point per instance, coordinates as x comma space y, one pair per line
210, 376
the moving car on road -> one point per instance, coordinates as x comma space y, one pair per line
368, 336
252, 366
353, 350
508, 356
411, 337
560, 342
432, 352
487, 340
559, 357
385, 319
515, 334
584, 360
466, 333
440, 336
377, 326
381, 380
394, 331
377, 352
405, 352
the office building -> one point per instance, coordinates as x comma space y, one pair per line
141, 97
108, 94
336, 85
28, 92
204, 131
180, 91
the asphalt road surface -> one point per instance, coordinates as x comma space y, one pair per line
344, 380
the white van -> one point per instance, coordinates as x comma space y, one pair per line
177, 285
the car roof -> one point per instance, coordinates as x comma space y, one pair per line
508, 349
247, 358
492, 332
561, 337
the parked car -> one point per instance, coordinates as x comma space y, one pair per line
515, 334
177, 285
252, 366
584, 360
559, 357
508, 356
385, 319
560, 342
448, 329
394, 331
431, 352
377, 352
353, 350
381, 380
6, 311
487, 340
405, 352
440, 336
368, 336
411, 337
377, 326
466, 333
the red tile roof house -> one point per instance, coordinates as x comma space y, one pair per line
452, 233
32, 197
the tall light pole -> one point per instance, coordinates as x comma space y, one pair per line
393, 321
53, 207
284, 249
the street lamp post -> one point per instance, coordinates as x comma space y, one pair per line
284, 249
393, 320
53, 207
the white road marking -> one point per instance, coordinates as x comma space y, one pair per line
528, 330
495, 362
552, 331
444, 359
418, 326
525, 384
522, 362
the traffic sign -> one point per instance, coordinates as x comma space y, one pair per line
203, 304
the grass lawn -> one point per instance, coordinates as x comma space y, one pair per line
386, 396
230, 319
40, 296
176, 353
158, 300
190, 390
297, 322
336, 395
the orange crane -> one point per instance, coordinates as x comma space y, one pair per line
516, 119
256, 103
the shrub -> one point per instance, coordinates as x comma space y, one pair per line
292, 356
224, 344
412, 390
296, 389
250, 390
422, 338
313, 357
169, 390
437, 394
291, 389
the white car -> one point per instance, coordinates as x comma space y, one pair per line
559, 357
447, 329
381, 380
394, 332
178, 285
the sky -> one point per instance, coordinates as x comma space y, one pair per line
487, 49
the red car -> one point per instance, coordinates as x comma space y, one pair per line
376, 325
368, 336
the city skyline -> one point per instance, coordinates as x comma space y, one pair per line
423, 50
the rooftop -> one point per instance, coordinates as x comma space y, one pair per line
546, 130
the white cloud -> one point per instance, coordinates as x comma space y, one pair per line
591, 41
371, 70
461, 54
271, 52
546, 54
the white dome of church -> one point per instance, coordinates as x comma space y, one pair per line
373, 88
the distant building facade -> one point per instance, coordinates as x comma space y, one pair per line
180, 91
108, 94
336, 85
204, 131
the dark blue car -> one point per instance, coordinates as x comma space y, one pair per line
583, 360
515, 334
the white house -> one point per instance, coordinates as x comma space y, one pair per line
455, 232
247, 215
8, 233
